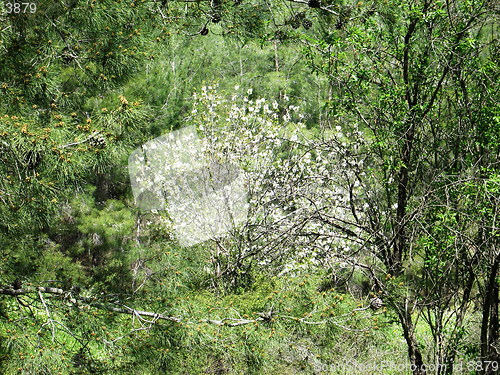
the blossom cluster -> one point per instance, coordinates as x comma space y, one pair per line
291, 181
295, 187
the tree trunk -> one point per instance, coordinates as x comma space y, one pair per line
102, 187
416, 361
490, 322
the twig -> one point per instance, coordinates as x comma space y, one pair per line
80, 142
326, 9
49, 316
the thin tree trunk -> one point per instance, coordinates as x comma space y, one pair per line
490, 321
416, 361
102, 187
451, 349
276, 58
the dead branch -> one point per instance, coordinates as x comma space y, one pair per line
227, 322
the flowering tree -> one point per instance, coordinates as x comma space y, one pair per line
294, 186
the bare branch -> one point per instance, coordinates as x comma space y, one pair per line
227, 322
80, 142
326, 9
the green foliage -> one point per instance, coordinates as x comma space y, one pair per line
401, 95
